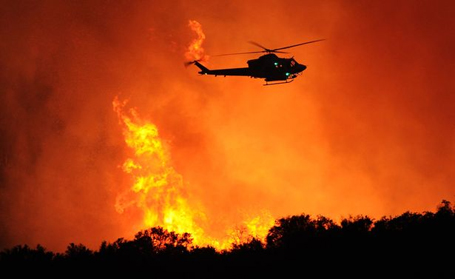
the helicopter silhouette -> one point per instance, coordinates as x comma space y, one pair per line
270, 67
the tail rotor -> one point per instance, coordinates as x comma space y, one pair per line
189, 63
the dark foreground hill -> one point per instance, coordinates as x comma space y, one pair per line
411, 245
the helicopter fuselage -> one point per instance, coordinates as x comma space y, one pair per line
273, 68
269, 67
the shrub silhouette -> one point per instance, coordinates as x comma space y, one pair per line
410, 245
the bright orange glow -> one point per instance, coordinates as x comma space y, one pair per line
158, 186
159, 189
257, 227
368, 128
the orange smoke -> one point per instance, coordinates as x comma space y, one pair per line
195, 50
158, 190
367, 129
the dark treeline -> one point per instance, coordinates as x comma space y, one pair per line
411, 245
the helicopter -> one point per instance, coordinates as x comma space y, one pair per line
270, 67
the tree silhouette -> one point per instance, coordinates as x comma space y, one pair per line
23, 260
410, 245
78, 253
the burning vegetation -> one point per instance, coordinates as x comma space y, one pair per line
158, 189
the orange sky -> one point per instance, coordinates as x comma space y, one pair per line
369, 128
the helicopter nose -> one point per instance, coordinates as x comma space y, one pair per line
302, 67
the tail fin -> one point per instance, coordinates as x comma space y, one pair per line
204, 70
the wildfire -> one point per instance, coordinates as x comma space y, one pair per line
195, 50
158, 189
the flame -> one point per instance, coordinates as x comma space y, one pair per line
252, 227
195, 50
158, 188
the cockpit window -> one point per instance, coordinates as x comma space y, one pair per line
292, 63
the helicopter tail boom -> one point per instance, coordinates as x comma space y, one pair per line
223, 72
204, 69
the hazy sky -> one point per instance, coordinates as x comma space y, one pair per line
368, 128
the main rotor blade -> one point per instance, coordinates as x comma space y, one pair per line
262, 51
239, 53
298, 44
267, 50
251, 42
256, 44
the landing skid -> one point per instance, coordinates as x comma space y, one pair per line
279, 82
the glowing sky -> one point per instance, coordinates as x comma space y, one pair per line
369, 128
